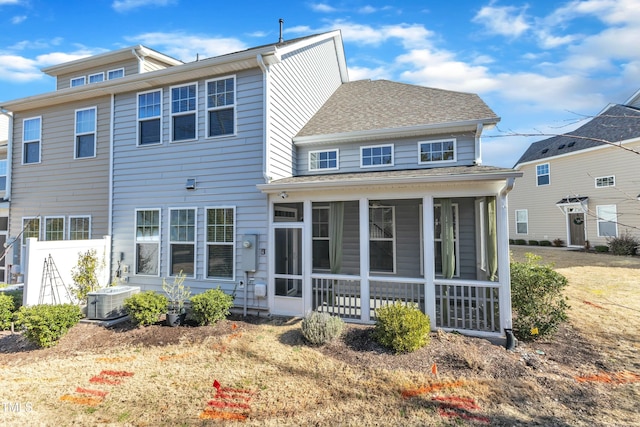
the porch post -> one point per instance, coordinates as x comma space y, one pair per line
307, 257
504, 269
427, 261
365, 308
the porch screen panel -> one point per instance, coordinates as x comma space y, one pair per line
492, 238
381, 239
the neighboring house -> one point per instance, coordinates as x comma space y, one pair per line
267, 173
581, 187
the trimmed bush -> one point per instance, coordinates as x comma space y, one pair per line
6, 311
211, 306
320, 328
545, 243
16, 295
511, 241
145, 308
624, 244
536, 297
402, 328
534, 243
558, 243
520, 242
601, 248
45, 324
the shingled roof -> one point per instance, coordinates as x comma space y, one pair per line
617, 123
366, 105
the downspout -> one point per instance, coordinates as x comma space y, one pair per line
266, 146
504, 265
111, 163
7, 192
478, 159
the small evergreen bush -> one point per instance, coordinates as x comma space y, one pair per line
45, 324
521, 242
601, 248
320, 328
624, 244
211, 306
402, 328
545, 243
6, 311
536, 297
534, 243
145, 308
558, 243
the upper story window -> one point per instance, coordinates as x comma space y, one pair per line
184, 112
543, 176
221, 106
31, 133
149, 117
115, 74
606, 181
78, 81
79, 227
147, 241
96, 78
437, 151
323, 160
379, 155
85, 133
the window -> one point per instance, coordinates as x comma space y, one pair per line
221, 106
31, 133
147, 241
606, 181
323, 160
79, 227
182, 241
542, 174
78, 81
115, 74
149, 117
382, 254
54, 228
522, 221
380, 155
321, 238
96, 78
30, 228
183, 112
607, 221
437, 233
437, 151
3, 175
85, 133
220, 235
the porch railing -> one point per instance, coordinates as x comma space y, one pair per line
337, 295
389, 290
464, 305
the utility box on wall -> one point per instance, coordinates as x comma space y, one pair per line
249, 253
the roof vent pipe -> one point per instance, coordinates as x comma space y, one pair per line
280, 39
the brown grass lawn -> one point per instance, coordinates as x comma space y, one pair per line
260, 372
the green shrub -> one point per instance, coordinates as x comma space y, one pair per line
402, 328
624, 244
319, 328
601, 248
6, 311
521, 242
545, 243
534, 243
45, 324
511, 241
16, 295
145, 308
558, 243
211, 306
536, 297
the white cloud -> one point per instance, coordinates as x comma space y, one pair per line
8, 2
18, 19
126, 5
16, 68
367, 9
187, 47
504, 20
362, 73
322, 7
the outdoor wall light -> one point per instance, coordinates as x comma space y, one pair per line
283, 195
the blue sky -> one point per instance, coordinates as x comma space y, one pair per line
542, 66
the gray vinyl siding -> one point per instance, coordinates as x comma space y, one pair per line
300, 85
130, 67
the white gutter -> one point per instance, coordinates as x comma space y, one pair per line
140, 59
266, 145
7, 192
479, 128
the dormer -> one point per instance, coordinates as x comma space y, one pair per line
109, 66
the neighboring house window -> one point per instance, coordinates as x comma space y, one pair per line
54, 228
606, 181
149, 117
323, 160
85, 133
96, 78
115, 74
542, 174
31, 132
437, 232
30, 228
182, 241
382, 254
221, 106
321, 238
147, 241
183, 112
607, 221
220, 234
437, 151
380, 155
522, 221
3, 175
79, 227
78, 81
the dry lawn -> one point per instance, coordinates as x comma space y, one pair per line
260, 372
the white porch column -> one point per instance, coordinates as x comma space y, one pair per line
307, 258
504, 270
427, 261
364, 260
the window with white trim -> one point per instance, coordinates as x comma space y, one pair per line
85, 133
320, 233
54, 228
30, 228
115, 74
220, 236
437, 234
377, 155
96, 78
221, 96
78, 81
443, 150
150, 117
543, 175
323, 160
606, 181
382, 242
147, 241
31, 134
607, 218
79, 227
184, 109
522, 221
182, 241
3, 175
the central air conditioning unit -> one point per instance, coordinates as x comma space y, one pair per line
108, 303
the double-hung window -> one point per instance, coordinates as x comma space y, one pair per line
115, 74
85, 133
96, 78
436, 151
149, 117
78, 81
184, 108
31, 134
382, 244
607, 220
606, 181
220, 234
321, 238
54, 228
147, 241
3, 175
543, 176
221, 106
79, 227
522, 221
323, 160
379, 155
31, 228
182, 241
